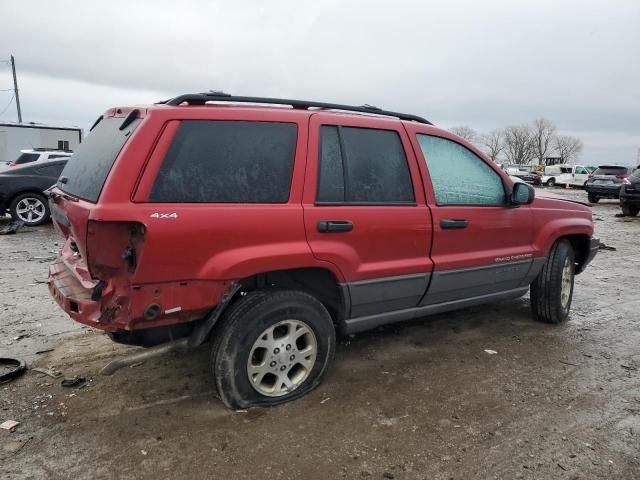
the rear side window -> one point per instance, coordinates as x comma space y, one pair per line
459, 176
27, 158
227, 162
89, 166
611, 171
363, 165
53, 170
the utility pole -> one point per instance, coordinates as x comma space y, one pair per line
15, 88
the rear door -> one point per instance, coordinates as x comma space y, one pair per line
365, 212
481, 246
580, 176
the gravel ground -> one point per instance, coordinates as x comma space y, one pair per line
410, 401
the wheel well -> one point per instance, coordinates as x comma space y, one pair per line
319, 282
580, 244
17, 194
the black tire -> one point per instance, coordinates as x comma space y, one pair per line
551, 182
36, 198
593, 198
629, 211
241, 327
546, 289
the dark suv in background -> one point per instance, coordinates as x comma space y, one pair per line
605, 182
630, 194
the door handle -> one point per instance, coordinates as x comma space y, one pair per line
453, 223
329, 226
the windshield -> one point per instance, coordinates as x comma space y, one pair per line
89, 166
26, 158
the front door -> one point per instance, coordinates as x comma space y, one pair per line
365, 211
482, 246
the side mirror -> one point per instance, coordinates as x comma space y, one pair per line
522, 194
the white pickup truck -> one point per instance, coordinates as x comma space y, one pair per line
572, 175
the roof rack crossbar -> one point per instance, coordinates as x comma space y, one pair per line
202, 98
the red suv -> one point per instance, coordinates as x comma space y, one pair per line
264, 225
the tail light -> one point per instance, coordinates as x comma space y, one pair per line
625, 180
622, 177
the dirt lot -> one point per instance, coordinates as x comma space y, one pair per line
410, 401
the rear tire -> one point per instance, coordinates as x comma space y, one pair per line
30, 208
552, 290
271, 347
551, 182
593, 198
629, 211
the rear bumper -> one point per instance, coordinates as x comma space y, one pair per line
612, 191
117, 306
72, 296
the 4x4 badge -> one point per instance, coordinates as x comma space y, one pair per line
164, 215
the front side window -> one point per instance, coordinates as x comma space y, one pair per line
581, 171
227, 162
363, 166
458, 176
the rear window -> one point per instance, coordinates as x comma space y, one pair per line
611, 171
90, 164
26, 158
213, 161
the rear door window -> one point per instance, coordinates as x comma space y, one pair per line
89, 166
213, 161
363, 166
52, 170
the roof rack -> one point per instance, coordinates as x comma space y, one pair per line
202, 98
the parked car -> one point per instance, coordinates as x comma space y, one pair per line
265, 229
534, 178
630, 194
605, 182
524, 172
39, 155
573, 175
21, 191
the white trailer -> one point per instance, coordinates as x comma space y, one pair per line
19, 136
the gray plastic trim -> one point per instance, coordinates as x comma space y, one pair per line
361, 324
451, 285
369, 297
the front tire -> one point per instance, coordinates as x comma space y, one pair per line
271, 347
593, 198
551, 182
552, 290
30, 208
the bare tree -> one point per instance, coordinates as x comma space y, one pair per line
519, 145
543, 136
493, 143
468, 133
568, 148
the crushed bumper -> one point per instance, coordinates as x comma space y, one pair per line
72, 296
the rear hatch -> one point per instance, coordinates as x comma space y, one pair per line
609, 175
78, 189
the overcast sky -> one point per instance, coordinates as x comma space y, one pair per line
484, 64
